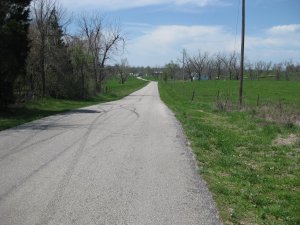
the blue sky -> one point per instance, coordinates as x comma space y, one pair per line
158, 30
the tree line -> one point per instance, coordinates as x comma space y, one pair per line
226, 66
41, 58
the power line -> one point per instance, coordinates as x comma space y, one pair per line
237, 21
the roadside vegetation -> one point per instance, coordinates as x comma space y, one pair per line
46, 69
42, 58
42, 107
250, 157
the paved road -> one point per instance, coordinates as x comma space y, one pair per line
123, 162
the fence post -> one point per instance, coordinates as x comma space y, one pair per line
193, 95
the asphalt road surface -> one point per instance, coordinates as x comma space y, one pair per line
122, 162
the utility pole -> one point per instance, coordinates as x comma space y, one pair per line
242, 55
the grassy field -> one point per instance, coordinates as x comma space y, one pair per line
250, 160
48, 106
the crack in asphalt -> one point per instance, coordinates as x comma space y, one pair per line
123, 162
52, 205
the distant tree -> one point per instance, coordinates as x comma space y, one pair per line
189, 69
259, 68
170, 71
232, 66
199, 62
219, 64
14, 23
250, 69
267, 68
149, 72
209, 68
182, 60
122, 70
277, 69
288, 68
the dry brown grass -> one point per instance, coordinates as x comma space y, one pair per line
289, 140
279, 113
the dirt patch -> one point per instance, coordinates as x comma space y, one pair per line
289, 140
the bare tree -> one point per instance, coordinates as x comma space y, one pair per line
262, 67
231, 63
259, 68
198, 63
267, 67
187, 67
226, 66
113, 43
209, 68
288, 68
122, 70
91, 27
219, 64
277, 69
182, 60
170, 71
104, 41
250, 69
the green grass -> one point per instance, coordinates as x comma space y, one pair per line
152, 78
252, 180
48, 106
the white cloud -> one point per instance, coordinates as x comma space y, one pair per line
123, 4
283, 37
158, 45
163, 43
284, 29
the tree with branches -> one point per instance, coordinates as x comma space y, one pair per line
122, 70
14, 46
199, 62
104, 42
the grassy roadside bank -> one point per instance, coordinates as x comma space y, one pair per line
48, 106
250, 162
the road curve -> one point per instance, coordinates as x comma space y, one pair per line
120, 163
